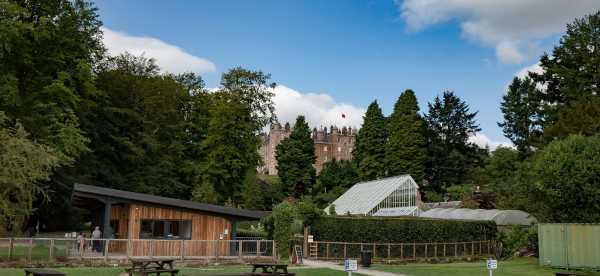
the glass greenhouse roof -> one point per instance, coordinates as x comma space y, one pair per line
501, 217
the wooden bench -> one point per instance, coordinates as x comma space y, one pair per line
42, 272
269, 269
151, 266
570, 273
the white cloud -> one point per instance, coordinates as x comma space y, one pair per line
169, 57
535, 68
319, 109
482, 141
512, 27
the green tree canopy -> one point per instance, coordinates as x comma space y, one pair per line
451, 155
369, 147
405, 151
295, 157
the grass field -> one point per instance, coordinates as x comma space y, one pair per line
105, 271
516, 267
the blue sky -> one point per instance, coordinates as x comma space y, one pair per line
341, 55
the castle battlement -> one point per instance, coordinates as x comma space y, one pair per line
330, 143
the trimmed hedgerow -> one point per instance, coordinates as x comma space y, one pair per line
406, 229
250, 233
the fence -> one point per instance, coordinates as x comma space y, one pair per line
60, 249
402, 251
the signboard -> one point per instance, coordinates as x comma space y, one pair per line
350, 265
492, 264
311, 238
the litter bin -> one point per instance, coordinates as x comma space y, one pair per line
365, 258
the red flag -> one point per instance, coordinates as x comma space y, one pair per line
343, 115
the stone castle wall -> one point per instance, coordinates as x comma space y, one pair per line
330, 144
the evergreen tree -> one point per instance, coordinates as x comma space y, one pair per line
451, 155
252, 195
520, 108
295, 157
205, 193
369, 147
570, 102
334, 179
405, 152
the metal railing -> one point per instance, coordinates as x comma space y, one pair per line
326, 250
62, 249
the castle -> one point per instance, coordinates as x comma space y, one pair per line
333, 144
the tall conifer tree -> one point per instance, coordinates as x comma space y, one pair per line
405, 152
369, 148
295, 157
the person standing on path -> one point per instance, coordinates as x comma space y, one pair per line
97, 234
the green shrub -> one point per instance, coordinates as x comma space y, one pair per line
518, 238
405, 229
241, 232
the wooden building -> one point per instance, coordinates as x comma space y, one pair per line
142, 219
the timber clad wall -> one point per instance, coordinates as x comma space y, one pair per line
205, 226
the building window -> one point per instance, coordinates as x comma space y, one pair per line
339, 149
325, 148
166, 229
114, 225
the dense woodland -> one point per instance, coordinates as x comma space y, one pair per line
70, 113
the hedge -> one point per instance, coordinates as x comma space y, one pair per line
250, 233
406, 229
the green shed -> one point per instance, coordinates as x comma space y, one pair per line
569, 245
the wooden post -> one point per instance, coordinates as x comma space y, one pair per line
374, 250
106, 251
257, 248
274, 251
327, 251
389, 250
10, 248
51, 255
465, 249
480, 248
345, 250
401, 251
414, 251
472, 248
182, 248
426, 251
444, 249
240, 250
488, 247
435, 249
305, 243
217, 251
455, 249
128, 248
152, 247
30, 250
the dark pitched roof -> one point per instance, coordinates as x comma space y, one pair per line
83, 190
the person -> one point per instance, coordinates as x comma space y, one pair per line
97, 234
80, 242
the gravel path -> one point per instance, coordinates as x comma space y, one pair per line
335, 266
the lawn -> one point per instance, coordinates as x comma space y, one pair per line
38, 252
109, 271
516, 267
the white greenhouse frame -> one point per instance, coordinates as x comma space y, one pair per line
392, 196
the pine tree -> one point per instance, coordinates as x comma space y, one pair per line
369, 147
405, 152
451, 155
520, 108
205, 193
295, 156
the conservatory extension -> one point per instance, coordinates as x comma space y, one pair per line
392, 196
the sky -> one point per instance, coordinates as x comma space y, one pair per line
336, 57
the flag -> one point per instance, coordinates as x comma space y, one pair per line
343, 115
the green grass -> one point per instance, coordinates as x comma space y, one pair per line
38, 252
516, 267
109, 271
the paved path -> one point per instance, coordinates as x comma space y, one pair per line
335, 266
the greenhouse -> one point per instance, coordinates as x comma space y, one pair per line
501, 217
392, 196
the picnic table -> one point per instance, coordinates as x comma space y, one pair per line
42, 272
148, 266
270, 269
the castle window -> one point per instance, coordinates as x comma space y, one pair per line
339, 149
325, 158
325, 148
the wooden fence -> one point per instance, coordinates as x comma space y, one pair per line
325, 250
61, 249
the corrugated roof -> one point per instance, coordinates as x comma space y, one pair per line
501, 217
364, 196
87, 190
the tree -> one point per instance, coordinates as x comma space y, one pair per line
451, 155
205, 193
567, 180
405, 152
334, 179
520, 108
570, 102
23, 165
295, 157
369, 150
252, 195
